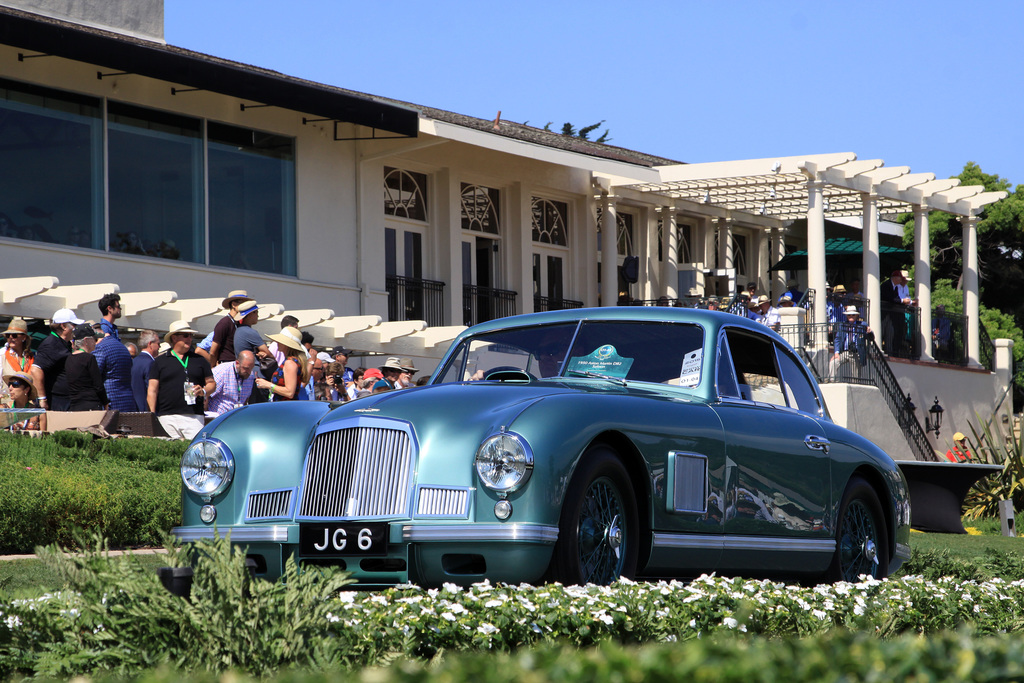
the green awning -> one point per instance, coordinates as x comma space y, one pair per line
841, 252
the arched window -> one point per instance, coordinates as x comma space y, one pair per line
549, 221
405, 194
480, 209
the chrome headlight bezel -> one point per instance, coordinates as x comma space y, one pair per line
504, 462
207, 467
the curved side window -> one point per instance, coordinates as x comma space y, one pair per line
799, 390
726, 373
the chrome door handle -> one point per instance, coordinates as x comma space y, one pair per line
817, 443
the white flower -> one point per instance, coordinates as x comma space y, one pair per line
451, 588
13, 622
449, 616
819, 614
730, 622
487, 629
494, 603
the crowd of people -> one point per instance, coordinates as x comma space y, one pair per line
184, 379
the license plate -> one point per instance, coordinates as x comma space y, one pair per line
343, 539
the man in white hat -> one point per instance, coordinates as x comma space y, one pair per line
392, 370
48, 368
849, 349
179, 382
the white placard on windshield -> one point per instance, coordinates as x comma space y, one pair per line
689, 375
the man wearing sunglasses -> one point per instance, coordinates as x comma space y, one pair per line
179, 382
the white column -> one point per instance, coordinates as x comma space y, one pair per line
970, 242
778, 252
650, 273
449, 241
870, 263
609, 253
1003, 362
519, 233
669, 249
816, 246
726, 262
923, 277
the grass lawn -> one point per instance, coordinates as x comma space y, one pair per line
31, 578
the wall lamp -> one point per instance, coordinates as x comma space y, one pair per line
933, 420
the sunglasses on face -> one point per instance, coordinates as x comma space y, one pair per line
17, 383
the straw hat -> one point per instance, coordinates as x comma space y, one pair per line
234, 295
24, 377
289, 337
178, 327
16, 326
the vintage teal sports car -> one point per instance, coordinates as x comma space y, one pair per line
577, 446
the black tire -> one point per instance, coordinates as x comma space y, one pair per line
598, 530
862, 542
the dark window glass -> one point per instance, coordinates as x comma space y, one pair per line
390, 252
52, 153
554, 278
536, 275
252, 199
155, 183
413, 255
480, 209
405, 194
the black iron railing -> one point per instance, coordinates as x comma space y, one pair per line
543, 303
949, 338
900, 325
856, 359
480, 304
415, 299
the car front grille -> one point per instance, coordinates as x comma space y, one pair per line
269, 504
358, 472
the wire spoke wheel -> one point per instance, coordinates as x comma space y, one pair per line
861, 535
858, 544
600, 533
598, 530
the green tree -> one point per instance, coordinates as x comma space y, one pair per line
584, 132
1000, 245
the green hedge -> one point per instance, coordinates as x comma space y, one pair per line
117, 618
128, 489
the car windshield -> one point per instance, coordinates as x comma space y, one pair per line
669, 353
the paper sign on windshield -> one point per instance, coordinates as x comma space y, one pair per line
605, 360
689, 375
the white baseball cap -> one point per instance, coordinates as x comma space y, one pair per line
66, 315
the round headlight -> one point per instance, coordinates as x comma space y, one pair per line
207, 467
504, 462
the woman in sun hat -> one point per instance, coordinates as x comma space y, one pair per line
22, 395
293, 373
17, 352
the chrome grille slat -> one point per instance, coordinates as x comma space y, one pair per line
358, 472
442, 502
269, 504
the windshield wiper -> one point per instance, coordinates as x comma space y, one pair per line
596, 375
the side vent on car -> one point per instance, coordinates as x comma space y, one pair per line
436, 501
269, 504
688, 479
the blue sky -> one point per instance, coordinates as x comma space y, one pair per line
930, 85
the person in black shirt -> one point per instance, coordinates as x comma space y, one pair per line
179, 381
85, 381
48, 368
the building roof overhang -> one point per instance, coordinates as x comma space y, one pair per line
44, 35
778, 187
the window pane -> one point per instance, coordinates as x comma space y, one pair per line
52, 150
405, 194
390, 252
252, 199
480, 209
156, 191
413, 255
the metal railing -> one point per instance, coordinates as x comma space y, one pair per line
415, 299
949, 338
480, 304
859, 361
543, 303
899, 330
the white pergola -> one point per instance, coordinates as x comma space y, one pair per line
771, 192
39, 297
